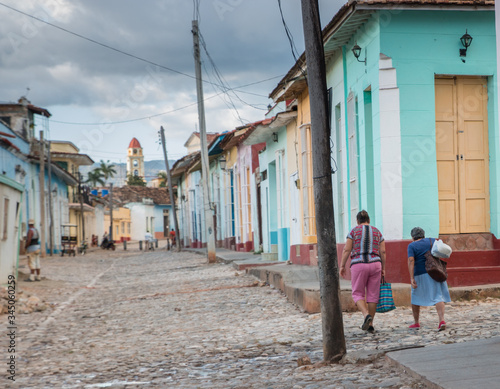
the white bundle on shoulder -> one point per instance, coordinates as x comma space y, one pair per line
441, 249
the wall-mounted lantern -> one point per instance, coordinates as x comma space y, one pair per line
275, 136
356, 50
466, 41
222, 162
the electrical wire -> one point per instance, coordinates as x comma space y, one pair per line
196, 13
288, 33
197, 2
222, 84
158, 114
97, 42
295, 52
230, 105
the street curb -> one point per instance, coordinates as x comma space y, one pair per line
406, 370
300, 284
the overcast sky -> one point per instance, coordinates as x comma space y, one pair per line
80, 81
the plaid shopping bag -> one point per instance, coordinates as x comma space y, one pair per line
385, 301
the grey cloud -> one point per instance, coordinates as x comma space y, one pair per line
245, 38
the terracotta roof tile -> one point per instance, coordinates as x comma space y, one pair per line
134, 144
135, 194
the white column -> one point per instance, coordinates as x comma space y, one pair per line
390, 151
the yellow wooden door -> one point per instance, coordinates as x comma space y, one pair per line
462, 155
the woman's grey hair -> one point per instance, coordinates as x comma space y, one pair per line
417, 233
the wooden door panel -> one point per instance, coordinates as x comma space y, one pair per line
446, 145
445, 97
474, 155
475, 142
474, 182
448, 216
446, 179
475, 214
446, 155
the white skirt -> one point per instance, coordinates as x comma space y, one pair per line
429, 292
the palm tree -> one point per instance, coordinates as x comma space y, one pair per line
95, 177
163, 176
107, 170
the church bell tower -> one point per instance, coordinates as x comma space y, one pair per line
135, 159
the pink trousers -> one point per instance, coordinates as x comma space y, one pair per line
365, 281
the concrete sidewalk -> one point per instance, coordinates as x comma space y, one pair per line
454, 366
301, 283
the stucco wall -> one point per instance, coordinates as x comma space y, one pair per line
424, 44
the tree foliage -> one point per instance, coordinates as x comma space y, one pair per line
163, 176
135, 180
107, 169
95, 177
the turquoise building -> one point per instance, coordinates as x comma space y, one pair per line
414, 120
414, 116
272, 184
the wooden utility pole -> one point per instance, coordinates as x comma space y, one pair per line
334, 346
209, 220
170, 189
51, 216
42, 196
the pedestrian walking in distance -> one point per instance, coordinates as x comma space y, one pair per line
33, 251
365, 245
425, 291
172, 237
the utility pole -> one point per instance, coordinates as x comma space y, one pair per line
80, 195
209, 221
334, 346
42, 196
170, 189
111, 212
51, 220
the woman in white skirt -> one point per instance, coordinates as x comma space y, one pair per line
424, 290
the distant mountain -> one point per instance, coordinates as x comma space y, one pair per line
151, 170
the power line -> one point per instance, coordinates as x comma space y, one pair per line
97, 42
222, 84
295, 52
288, 33
103, 44
159, 114
224, 88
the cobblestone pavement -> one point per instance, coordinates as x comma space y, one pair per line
170, 320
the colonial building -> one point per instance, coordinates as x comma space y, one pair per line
67, 156
135, 159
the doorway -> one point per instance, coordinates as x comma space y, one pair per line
462, 154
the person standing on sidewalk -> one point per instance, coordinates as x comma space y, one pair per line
425, 291
366, 247
33, 251
172, 237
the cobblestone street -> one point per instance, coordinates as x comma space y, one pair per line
170, 320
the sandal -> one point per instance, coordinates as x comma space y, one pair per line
367, 323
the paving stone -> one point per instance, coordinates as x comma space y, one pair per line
162, 319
